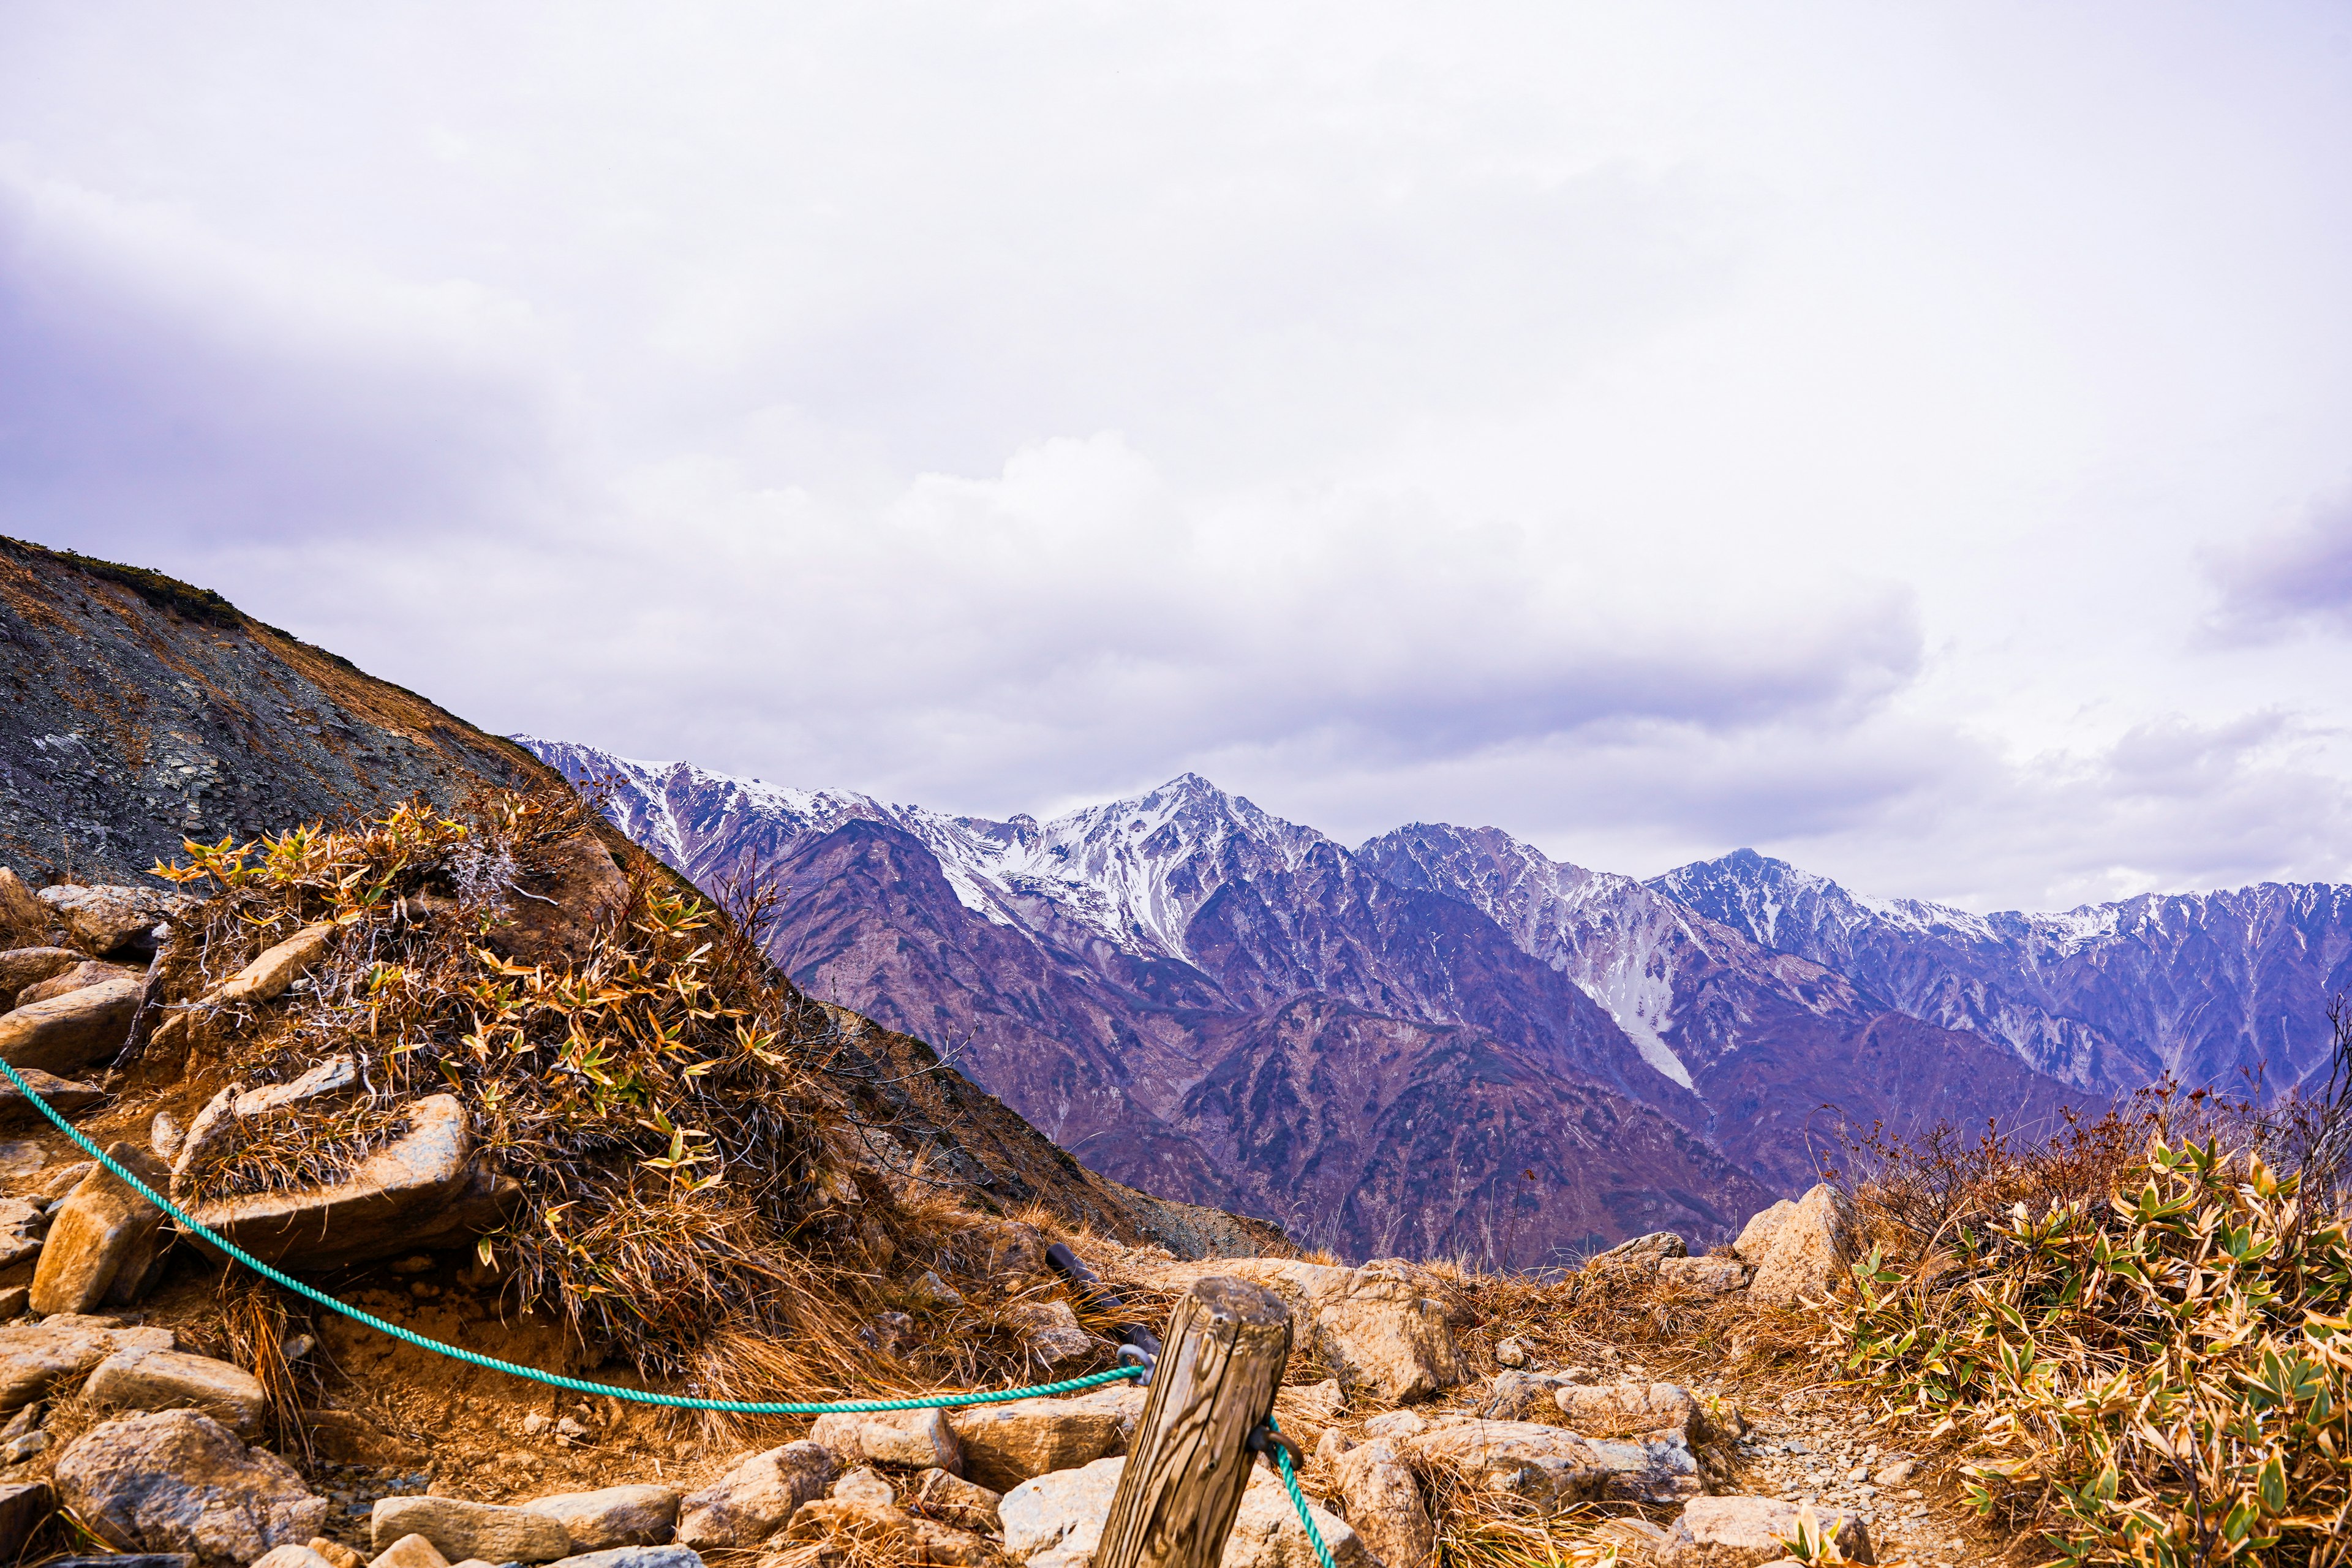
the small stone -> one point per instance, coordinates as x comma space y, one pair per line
756, 1499
1395, 1424
337, 1553
1895, 1474
17, 1450
569, 1430
1511, 1352
409, 1552
537, 1422
864, 1484
298, 1347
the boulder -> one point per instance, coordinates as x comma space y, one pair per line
878, 1533
383, 1206
1716, 1275
1385, 1504
457, 1529
560, 905
1055, 1521
1551, 1468
1631, 1409
1648, 1250
37, 1356
66, 1034
634, 1557
101, 1245
1524, 1396
22, 915
756, 1499
1744, 1532
88, 971
108, 921
23, 1506
613, 1516
23, 1224
1051, 1333
951, 1499
1799, 1250
920, 1440
409, 1552
867, 1484
154, 1379
1005, 1445
1383, 1329
23, 966
66, 1095
174, 1480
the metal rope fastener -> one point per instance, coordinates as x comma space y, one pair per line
554, 1380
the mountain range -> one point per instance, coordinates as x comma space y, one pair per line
1444, 1039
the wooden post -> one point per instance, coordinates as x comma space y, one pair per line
1187, 1466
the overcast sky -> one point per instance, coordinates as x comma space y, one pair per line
1913, 441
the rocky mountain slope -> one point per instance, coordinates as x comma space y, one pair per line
1121, 976
2206, 986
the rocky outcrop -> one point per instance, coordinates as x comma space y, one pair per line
1799, 1250
174, 1480
385, 1206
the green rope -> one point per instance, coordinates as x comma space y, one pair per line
1297, 1498
576, 1385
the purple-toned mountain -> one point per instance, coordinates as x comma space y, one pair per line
1135, 978
2206, 986
1766, 1041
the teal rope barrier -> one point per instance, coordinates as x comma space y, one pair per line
555, 1380
1297, 1498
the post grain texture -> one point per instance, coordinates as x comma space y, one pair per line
1226, 1342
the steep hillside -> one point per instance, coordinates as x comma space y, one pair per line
2208, 986
1121, 976
1766, 1039
141, 712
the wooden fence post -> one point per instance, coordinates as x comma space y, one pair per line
1188, 1464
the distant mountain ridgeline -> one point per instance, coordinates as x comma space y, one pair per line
1444, 1033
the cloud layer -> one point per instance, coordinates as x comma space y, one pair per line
1904, 444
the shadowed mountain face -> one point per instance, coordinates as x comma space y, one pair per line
2206, 986
1186, 991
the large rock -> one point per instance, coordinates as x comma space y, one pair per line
106, 922
1631, 1410
1055, 1521
227, 1118
1743, 1532
613, 1516
37, 1356
1005, 1445
383, 1206
575, 891
82, 975
66, 1034
875, 1532
23, 966
103, 1241
1799, 1250
918, 1439
278, 967
756, 1499
1716, 1275
459, 1529
1051, 1333
174, 1480
66, 1095
1385, 1504
154, 1379
1552, 1468
1385, 1334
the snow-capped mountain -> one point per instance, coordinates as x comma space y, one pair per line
2206, 986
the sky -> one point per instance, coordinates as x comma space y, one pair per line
1915, 441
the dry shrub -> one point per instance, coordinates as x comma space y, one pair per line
1481, 1527
664, 1103
2139, 1338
